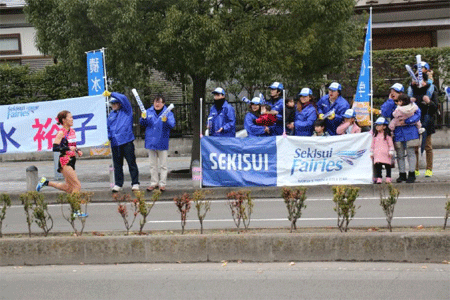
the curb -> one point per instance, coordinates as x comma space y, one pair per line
391, 247
318, 191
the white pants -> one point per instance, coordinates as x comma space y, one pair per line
158, 160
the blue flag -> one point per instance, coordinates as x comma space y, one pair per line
95, 73
363, 88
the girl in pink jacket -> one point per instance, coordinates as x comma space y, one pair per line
382, 149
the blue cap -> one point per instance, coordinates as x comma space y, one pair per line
113, 100
256, 100
398, 87
381, 121
219, 90
276, 86
423, 64
334, 86
305, 92
349, 113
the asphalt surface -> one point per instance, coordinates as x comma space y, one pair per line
234, 280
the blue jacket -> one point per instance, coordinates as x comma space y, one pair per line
304, 121
277, 128
225, 118
252, 128
387, 108
339, 106
120, 122
157, 132
402, 133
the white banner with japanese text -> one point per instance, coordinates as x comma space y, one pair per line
31, 127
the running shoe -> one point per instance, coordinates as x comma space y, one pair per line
428, 173
135, 187
417, 173
43, 182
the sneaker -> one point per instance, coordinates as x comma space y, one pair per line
428, 173
388, 180
116, 189
43, 182
379, 180
162, 188
80, 214
151, 188
417, 172
135, 187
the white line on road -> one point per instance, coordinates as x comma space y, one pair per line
285, 219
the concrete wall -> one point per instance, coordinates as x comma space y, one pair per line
395, 247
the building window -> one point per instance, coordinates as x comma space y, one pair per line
10, 44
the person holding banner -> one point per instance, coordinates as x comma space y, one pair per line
158, 120
332, 107
306, 114
221, 119
120, 133
65, 143
276, 102
254, 112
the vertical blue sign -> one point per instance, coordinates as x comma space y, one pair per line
363, 88
95, 73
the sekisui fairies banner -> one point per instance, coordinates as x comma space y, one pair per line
287, 161
31, 127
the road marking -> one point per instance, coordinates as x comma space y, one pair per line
285, 219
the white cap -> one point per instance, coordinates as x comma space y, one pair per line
305, 92
349, 113
334, 86
256, 100
219, 90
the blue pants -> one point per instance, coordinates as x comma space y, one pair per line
119, 153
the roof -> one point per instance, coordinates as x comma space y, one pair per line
12, 3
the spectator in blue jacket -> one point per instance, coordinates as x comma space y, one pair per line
306, 114
120, 133
276, 102
254, 112
406, 136
157, 123
221, 119
334, 106
388, 107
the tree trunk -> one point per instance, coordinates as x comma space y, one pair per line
199, 90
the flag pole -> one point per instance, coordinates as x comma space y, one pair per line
201, 135
284, 112
371, 75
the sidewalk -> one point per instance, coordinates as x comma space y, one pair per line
94, 176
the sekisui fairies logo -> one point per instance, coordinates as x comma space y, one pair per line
350, 156
310, 160
318, 160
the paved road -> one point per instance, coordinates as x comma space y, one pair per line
334, 280
268, 213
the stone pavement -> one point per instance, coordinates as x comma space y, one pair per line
94, 176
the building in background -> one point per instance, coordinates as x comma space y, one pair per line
408, 23
17, 37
